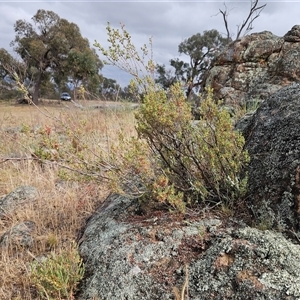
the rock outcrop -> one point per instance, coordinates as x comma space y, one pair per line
273, 141
253, 72
247, 264
255, 66
132, 257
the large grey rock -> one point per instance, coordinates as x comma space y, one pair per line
132, 257
273, 141
18, 197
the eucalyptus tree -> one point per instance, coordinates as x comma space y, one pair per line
201, 49
45, 45
5, 78
13, 75
167, 77
5, 60
83, 68
109, 88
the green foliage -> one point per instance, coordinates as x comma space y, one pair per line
58, 276
187, 162
12, 77
47, 145
109, 88
53, 47
202, 160
168, 77
132, 169
82, 66
25, 128
164, 192
5, 60
123, 54
11, 70
201, 49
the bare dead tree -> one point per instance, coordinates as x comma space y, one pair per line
247, 24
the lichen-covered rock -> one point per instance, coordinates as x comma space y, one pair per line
255, 66
134, 257
293, 35
131, 257
248, 264
273, 142
18, 197
20, 235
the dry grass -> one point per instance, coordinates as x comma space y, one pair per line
63, 205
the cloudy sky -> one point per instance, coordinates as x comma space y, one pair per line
168, 22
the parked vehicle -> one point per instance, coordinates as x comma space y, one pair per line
65, 97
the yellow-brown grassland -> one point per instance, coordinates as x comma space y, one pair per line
47, 147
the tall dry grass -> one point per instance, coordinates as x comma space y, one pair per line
63, 203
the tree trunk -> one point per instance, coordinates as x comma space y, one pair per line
189, 91
76, 86
35, 95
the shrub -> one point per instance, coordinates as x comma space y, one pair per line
190, 161
58, 276
199, 160
178, 161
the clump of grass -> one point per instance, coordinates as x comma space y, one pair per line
58, 275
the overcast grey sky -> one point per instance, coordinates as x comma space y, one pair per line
168, 22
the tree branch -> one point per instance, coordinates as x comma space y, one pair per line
250, 19
246, 26
225, 15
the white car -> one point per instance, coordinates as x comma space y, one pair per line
65, 97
